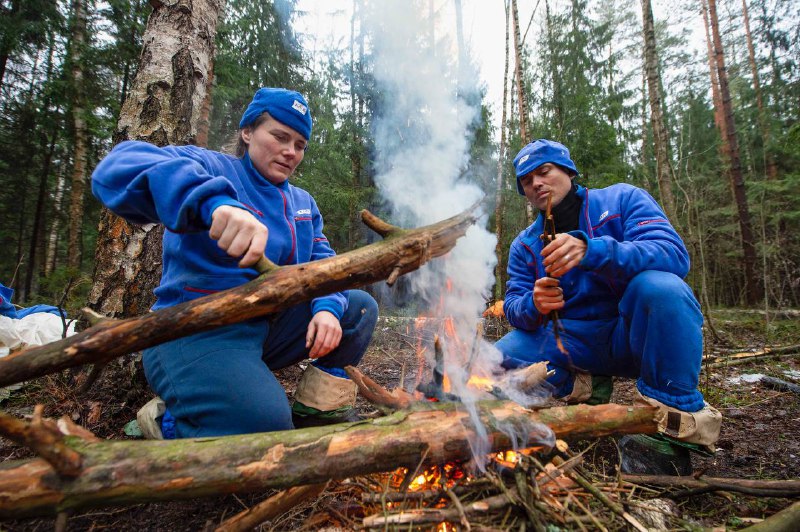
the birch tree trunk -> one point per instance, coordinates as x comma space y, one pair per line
74, 246
34, 255
163, 107
500, 191
660, 137
52, 238
730, 143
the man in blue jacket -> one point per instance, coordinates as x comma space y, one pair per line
614, 273
222, 213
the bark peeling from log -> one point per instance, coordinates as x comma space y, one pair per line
128, 472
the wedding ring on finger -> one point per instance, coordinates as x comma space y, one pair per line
566, 257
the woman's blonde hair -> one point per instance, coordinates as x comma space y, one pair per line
236, 146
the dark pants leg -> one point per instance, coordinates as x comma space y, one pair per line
219, 382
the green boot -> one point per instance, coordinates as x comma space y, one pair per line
653, 455
602, 387
590, 389
306, 416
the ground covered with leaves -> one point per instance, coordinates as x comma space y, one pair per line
574, 487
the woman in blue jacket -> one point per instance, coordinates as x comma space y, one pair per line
221, 213
614, 274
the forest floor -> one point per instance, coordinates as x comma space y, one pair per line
760, 438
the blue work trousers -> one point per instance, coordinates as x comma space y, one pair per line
221, 382
656, 339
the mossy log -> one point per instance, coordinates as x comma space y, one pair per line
132, 472
402, 251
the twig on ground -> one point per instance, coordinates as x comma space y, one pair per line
588, 512
758, 488
784, 521
600, 496
779, 384
43, 437
94, 374
61, 312
270, 508
377, 394
736, 361
459, 508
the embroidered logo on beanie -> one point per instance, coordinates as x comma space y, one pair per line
299, 107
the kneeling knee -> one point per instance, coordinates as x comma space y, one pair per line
362, 307
655, 286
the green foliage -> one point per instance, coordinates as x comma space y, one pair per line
581, 73
580, 110
256, 47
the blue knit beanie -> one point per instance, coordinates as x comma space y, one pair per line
287, 107
539, 152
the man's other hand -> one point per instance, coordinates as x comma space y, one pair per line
239, 234
563, 254
547, 295
323, 335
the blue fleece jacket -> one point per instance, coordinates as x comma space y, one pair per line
180, 186
626, 233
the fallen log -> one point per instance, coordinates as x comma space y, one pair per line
132, 472
280, 287
758, 488
779, 384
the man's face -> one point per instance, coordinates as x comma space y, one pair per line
274, 149
540, 182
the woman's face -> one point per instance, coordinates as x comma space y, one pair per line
274, 149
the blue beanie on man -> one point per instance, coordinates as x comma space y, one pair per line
289, 108
539, 152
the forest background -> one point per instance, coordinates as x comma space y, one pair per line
711, 131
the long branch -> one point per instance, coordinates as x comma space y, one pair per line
132, 472
763, 488
281, 288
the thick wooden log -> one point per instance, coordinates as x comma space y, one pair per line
401, 252
132, 472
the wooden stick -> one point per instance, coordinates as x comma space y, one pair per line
43, 437
281, 288
759, 488
779, 384
376, 394
462, 514
784, 521
724, 363
600, 496
270, 508
437, 515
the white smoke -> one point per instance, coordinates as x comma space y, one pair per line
422, 141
